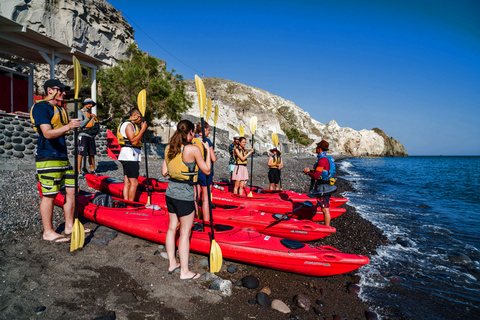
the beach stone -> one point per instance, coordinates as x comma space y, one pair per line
369, 315
224, 286
263, 299
323, 292
252, 302
30, 130
24, 135
250, 282
232, 268
2, 142
320, 303
17, 154
279, 305
10, 128
459, 258
209, 276
110, 315
156, 253
103, 236
34, 135
266, 290
31, 146
2, 151
302, 301
353, 288
40, 309
164, 255
28, 152
317, 312
2, 126
8, 139
239, 283
7, 133
16, 134
203, 262
9, 152
15, 122
19, 147
161, 246
1, 136
19, 128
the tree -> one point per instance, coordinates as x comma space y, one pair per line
120, 85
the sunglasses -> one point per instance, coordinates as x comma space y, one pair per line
59, 89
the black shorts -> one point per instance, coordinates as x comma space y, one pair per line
131, 169
274, 175
180, 207
86, 146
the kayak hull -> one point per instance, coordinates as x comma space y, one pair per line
236, 243
265, 222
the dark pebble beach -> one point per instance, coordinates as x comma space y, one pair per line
117, 276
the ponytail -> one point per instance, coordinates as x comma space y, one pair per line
179, 137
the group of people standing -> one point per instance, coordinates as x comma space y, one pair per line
188, 162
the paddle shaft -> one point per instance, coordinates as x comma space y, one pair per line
251, 167
146, 167
75, 161
208, 184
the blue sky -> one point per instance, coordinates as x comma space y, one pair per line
411, 68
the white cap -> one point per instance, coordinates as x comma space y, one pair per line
236, 136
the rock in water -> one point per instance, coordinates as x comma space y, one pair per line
263, 299
302, 301
250, 282
279, 305
459, 258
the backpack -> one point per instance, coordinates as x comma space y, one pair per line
331, 172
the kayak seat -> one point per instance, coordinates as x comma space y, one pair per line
278, 216
292, 244
103, 200
197, 226
221, 227
113, 180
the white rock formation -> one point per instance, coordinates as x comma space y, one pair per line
91, 26
238, 103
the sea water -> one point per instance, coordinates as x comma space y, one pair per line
429, 208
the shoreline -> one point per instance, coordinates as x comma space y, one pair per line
129, 277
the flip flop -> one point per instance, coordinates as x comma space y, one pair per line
56, 240
192, 278
173, 271
87, 231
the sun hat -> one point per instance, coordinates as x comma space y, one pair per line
236, 136
323, 144
87, 101
275, 149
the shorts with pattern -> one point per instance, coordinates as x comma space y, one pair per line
86, 145
55, 175
323, 202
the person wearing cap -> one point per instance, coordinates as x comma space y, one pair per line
275, 164
231, 151
320, 166
89, 128
54, 170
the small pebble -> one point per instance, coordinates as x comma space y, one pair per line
203, 262
164, 255
140, 260
320, 303
137, 246
232, 268
317, 312
161, 246
252, 302
250, 282
156, 253
40, 309
369, 315
353, 288
279, 305
263, 299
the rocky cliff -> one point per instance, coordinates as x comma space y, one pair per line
238, 103
91, 26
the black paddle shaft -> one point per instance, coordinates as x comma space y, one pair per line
251, 167
75, 161
208, 185
146, 163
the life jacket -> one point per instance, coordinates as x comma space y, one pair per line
198, 142
178, 170
124, 141
239, 161
277, 161
92, 127
326, 176
59, 119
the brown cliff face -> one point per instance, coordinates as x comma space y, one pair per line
393, 148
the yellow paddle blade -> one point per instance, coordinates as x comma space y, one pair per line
241, 131
142, 101
250, 195
253, 124
202, 98
77, 76
215, 257
78, 236
215, 116
209, 109
275, 139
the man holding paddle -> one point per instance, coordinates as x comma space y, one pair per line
54, 170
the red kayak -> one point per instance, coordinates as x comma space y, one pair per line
287, 195
257, 192
238, 244
223, 199
267, 223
